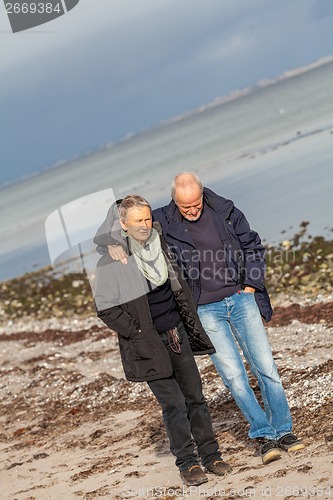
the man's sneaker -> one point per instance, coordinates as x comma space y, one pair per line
193, 476
219, 467
289, 442
269, 450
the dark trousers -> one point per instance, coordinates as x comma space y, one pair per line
185, 413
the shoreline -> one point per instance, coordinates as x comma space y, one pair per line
305, 145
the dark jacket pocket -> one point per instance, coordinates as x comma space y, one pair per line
140, 347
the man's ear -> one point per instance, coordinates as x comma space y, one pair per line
123, 225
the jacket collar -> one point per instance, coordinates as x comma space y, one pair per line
214, 201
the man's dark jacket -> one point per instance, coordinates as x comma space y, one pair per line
245, 255
143, 353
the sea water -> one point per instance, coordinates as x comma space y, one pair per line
270, 151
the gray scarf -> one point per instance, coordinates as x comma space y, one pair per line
150, 259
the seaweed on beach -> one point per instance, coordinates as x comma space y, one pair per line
43, 294
301, 265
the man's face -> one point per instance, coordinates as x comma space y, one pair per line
189, 203
138, 223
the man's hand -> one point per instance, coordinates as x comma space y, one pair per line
249, 289
117, 253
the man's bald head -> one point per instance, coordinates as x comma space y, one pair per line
187, 181
186, 192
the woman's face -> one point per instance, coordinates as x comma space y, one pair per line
138, 223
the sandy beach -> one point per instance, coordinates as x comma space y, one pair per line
72, 427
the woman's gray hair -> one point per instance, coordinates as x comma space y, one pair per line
189, 178
130, 201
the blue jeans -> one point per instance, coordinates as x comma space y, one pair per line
233, 320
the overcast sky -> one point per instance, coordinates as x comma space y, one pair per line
111, 67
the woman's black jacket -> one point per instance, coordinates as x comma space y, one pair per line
122, 304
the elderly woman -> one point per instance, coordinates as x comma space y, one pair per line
151, 308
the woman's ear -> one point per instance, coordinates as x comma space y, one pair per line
123, 225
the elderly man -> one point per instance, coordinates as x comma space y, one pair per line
151, 308
223, 261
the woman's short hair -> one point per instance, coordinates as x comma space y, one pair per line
130, 201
